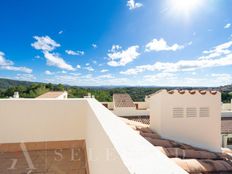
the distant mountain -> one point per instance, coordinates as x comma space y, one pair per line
7, 83
226, 88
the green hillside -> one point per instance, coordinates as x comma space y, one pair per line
32, 90
7, 83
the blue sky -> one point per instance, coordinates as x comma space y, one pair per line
117, 42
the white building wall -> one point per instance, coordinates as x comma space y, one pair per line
36, 120
110, 105
202, 132
142, 105
226, 113
117, 149
63, 96
112, 146
226, 107
130, 111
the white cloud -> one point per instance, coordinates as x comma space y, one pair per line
60, 32
170, 79
25, 77
3, 61
159, 77
9, 65
47, 72
75, 53
119, 57
87, 64
189, 43
55, 60
222, 78
105, 76
88, 79
78, 66
89, 68
104, 70
227, 26
37, 57
44, 43
94, 45
15, 68
224, 59
133, 5
162, 45
222, 49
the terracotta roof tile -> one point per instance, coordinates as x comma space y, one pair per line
123, 100
191, 159
51, 94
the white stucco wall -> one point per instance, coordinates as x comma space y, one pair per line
226, 113
63, 96
142, 105
226, 107
129, 111
112, 147
35, 120
110, 105
202, 132
115, 148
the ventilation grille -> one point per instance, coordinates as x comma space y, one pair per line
178, 112
204, 112
191, 112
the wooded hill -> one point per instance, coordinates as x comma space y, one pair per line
33, 89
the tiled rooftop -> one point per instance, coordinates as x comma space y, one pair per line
51, 94
141, 119
123, 100
191, 159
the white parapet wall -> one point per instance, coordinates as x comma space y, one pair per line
38, 120
143, 109
112, 146
128, 111
191, 117
108, 105
115, 148
226, 107
142, 105
226, 113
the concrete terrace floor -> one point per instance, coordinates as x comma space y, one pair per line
60, 161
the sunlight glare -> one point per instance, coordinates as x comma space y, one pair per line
184, 7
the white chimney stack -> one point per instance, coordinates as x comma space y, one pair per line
16, 95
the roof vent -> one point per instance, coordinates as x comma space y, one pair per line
204, 112
178, 112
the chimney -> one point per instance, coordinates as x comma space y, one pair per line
16, 95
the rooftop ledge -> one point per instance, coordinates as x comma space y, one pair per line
112, 146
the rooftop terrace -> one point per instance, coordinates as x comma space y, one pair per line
48, 158
111, 146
